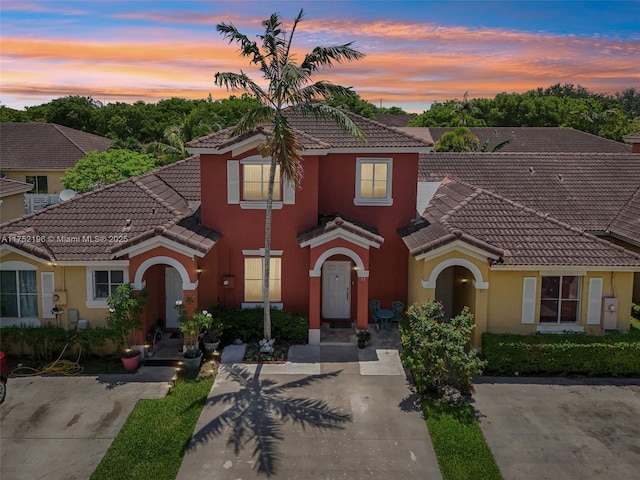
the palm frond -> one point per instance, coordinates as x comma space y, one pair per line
247, 47
240, 81
325, 56
253, 118
285, 148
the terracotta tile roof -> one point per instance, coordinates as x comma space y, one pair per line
12, 187
392, 120
583, 190
45, 146
627, 223
337, 221
517, 234
98, 224
323, 134
540, 139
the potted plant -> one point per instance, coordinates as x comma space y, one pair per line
211, 337
363, 337
192, 327
123, 318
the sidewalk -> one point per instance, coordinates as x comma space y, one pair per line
329, 412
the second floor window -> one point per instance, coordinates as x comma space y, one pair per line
39, 183
255, 182
373, 181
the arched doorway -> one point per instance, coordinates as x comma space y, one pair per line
455, 289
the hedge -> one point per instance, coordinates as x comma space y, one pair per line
248, 325
615, 355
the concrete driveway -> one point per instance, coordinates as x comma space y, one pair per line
60, 427
556, 428
329, 413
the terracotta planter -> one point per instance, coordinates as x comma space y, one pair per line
131, 362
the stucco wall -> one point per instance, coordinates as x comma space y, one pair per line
11, 206
54, 178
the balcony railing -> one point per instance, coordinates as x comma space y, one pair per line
37, 201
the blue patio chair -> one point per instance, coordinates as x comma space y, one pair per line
398, 311
374, 307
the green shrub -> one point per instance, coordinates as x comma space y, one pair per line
562, 354
49, 342
247, 325
436, 350
635, 311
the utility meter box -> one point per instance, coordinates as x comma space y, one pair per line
609, 313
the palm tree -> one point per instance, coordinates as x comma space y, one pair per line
466, 109
289, 85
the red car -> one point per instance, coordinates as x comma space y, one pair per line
4, 373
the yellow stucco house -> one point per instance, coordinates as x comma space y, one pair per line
530, 242
39, 154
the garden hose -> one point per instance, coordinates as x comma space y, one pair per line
57, 367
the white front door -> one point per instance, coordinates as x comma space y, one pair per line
173, 292
336, 294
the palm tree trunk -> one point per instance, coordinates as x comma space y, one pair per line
267, 252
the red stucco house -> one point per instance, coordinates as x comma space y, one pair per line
334, 240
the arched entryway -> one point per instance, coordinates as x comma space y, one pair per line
166, 280
454, 288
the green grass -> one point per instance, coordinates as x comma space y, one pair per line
460, 446
154, 438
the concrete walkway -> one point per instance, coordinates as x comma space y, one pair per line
329, 412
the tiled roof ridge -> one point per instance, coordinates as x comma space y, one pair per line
56, 127
39, 249
142, 186
458, 233
547, 217
636, 192
382, 125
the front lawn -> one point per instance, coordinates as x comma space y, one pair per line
154, 438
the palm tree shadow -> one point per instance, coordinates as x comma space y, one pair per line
258, 410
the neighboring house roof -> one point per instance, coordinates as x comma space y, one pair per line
100, 224
45, 146
319, 134
399, 120
539, 139
12, 187
512, 234
587, 191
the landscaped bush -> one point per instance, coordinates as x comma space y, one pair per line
435, 349
562, 354
248, 325
49, 342
635, 311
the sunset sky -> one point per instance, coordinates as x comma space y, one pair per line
417, 52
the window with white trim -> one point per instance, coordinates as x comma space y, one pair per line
560, 299
105, 282
373, 181
253, 275
18, 293
255, 182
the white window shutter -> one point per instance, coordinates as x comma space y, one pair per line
594, 305
48, 286
289, 194
528, 300
233, 181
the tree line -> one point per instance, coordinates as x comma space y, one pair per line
609, 116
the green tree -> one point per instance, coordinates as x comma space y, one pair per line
436, 350
458, 140
96, 170
290, 85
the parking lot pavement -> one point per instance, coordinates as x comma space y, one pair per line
557, 428
61, 427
